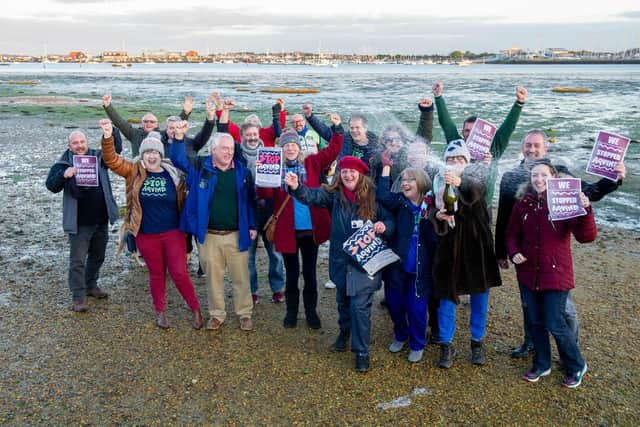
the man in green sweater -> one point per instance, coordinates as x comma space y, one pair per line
500, 140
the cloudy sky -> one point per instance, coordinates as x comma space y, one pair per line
352, 26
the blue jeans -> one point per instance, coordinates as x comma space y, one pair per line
477, 320
276, 265
546, 311
86, 255
570, 315
408, 313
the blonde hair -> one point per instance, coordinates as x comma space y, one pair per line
423, 182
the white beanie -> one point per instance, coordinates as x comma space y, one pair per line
456, 148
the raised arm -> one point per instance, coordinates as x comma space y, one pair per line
444, 118
118, 164
425, 124
315, 123
203, 136
318, 197
503, 134
327, 155
125, 127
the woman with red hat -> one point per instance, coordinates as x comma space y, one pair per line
351, 199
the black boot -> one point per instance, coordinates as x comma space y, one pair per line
447, 353
362, 363
292, 299
341, 341
477, 353
313, 321
522, 352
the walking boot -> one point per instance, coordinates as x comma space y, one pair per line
477, 353
447, 353
341, 341
313, 321
362, 363
290, 319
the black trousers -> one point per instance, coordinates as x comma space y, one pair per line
309, 251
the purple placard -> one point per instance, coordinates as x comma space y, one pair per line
269, 173
480, 138
563, 198
86, 170
608, 150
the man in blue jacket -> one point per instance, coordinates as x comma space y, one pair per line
86, 211
219, 211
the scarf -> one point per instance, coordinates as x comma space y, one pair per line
296, 167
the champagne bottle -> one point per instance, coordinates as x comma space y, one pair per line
450, 199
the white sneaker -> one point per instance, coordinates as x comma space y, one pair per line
329, 285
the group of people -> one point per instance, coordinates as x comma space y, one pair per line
332, 183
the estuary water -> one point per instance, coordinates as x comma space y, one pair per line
390, 93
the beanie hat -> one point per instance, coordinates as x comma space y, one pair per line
352, 162
456, 148
151, 143
289, 136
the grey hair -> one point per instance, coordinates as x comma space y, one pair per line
148, 113
173, 119
537, 132
76, 132
358, 116
253, 118
248, 125
217, 137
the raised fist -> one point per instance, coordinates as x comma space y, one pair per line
521, 94
437, 89
307, 109
106, 99
107, 127
335, 119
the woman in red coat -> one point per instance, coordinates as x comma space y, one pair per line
301, 228
541, 250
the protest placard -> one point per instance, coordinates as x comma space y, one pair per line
608, 150
563, 198
480, 138
86, 170
368, 250
269, 172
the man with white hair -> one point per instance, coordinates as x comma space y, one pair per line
219, 211
86, 211
535, 146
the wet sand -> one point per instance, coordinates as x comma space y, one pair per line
112, 365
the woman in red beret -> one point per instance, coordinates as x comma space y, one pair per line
351, 199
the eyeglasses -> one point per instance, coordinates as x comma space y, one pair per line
393, 139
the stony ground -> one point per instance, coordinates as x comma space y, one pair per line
112, 365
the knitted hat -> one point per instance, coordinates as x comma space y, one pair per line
151, 143
352, 162
456, 148
289, 136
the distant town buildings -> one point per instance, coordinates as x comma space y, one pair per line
512, 54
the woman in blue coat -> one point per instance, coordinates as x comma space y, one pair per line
409, 281
351, 200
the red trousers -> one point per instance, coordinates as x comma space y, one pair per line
162, 252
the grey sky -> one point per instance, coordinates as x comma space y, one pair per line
97, 25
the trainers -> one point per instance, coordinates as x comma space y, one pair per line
329, 285
415, 356
161, 320
341, 341
362, 363
573, 381
254, 298
534, 375
447, 353
246, 324
522, 352
396, 346
213, 324
477, 353
277, 297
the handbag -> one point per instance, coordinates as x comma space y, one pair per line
270, 226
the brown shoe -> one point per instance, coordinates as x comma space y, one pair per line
97, 293
80, 305
213, 324
161, 321
196, 321
246, 324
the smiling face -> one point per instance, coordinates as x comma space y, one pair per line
539, 176
78, 144
350, 178
291, 150
152, 160
298, 122
358, 131
251, 136
393, 142
222, 153
534, 146
409, 187
149, 122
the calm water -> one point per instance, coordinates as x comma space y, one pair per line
390, 93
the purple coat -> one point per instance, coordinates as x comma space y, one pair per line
546, 244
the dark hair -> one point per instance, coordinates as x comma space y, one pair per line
527, 187
471, 119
